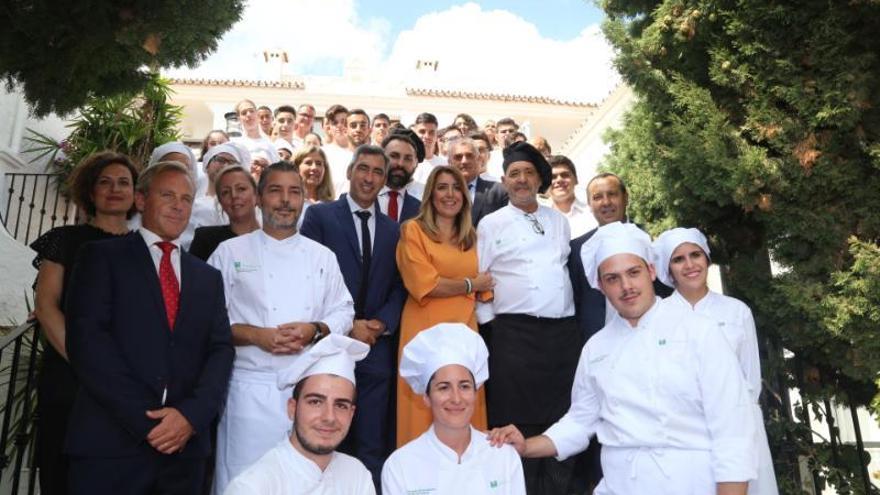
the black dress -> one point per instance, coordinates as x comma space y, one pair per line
57, 384
206, 240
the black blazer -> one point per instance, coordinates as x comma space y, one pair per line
124, 354
489, 196
332, 225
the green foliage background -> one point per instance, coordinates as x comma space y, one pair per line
60, 52
758, 122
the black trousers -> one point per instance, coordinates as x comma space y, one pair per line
151, 474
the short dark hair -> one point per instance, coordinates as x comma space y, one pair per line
297, 389
426, 118
431, 380
285, 108
368, 149
382, 116
264, 107
563, 161
208, 138
333, 111
471, 123
481, 136
359, 111
519, 135
282, 166
605, 175
507, 121
85, 175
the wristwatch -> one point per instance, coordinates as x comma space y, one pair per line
319, 332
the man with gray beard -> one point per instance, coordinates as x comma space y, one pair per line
284, 292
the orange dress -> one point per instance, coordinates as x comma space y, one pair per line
422, 262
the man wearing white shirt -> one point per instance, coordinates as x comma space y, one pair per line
337, 147
285, 121
659, 385
401, 197
505, 128
562, 197
305, 117
284, 292
252, 137
321, 409
425, 127
532, 333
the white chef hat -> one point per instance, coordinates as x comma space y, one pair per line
240, 153
173, 147
261, 153
332, 355
610, 239
666, 244
439, 346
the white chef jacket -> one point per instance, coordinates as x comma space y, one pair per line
735, 321
285, 471
530, 270
206, 212
254, 145
269, 282
668, 402
427, 465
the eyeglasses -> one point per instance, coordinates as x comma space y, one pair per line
536, 225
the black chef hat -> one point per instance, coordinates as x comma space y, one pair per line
525, 152
407, 136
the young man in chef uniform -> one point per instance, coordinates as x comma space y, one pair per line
658, 385
321, 409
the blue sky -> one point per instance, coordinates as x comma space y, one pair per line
555, 19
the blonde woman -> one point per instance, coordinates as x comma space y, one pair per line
311, 162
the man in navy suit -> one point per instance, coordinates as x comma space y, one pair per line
401, 198
365, 241
149, 339
486, 196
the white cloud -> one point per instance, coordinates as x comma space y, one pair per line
497, 51
314, 33
482, 51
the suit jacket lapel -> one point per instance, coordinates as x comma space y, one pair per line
141, 253
346, 221
187, 286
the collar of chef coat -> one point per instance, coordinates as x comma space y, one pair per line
309, 467
447, 453
644, 322
268, 241
701, 305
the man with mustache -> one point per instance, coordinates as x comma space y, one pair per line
401, 197
284, 292
532, 333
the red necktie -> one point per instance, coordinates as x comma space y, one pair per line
168, 282
392, 205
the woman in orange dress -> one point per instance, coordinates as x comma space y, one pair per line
437, 259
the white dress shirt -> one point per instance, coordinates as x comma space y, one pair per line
371, 222
580, 217
156, 252
530, 269
285, 471
667, 401
427, 465
424, 169
269, 282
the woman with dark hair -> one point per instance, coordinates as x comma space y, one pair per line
236, 192
465, 123
213, 138
311, 163
437, 259
102, 186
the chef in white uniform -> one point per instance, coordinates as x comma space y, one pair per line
446, 364
322, 407
283, 293
681, 257
658, 385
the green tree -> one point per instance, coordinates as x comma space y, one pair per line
758, 121
61, 52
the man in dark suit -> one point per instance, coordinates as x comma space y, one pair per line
365, 241
486, 195
401, 197
149, 339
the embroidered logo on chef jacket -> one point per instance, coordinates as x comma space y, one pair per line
241, 266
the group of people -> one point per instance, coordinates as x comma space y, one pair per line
285, 316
